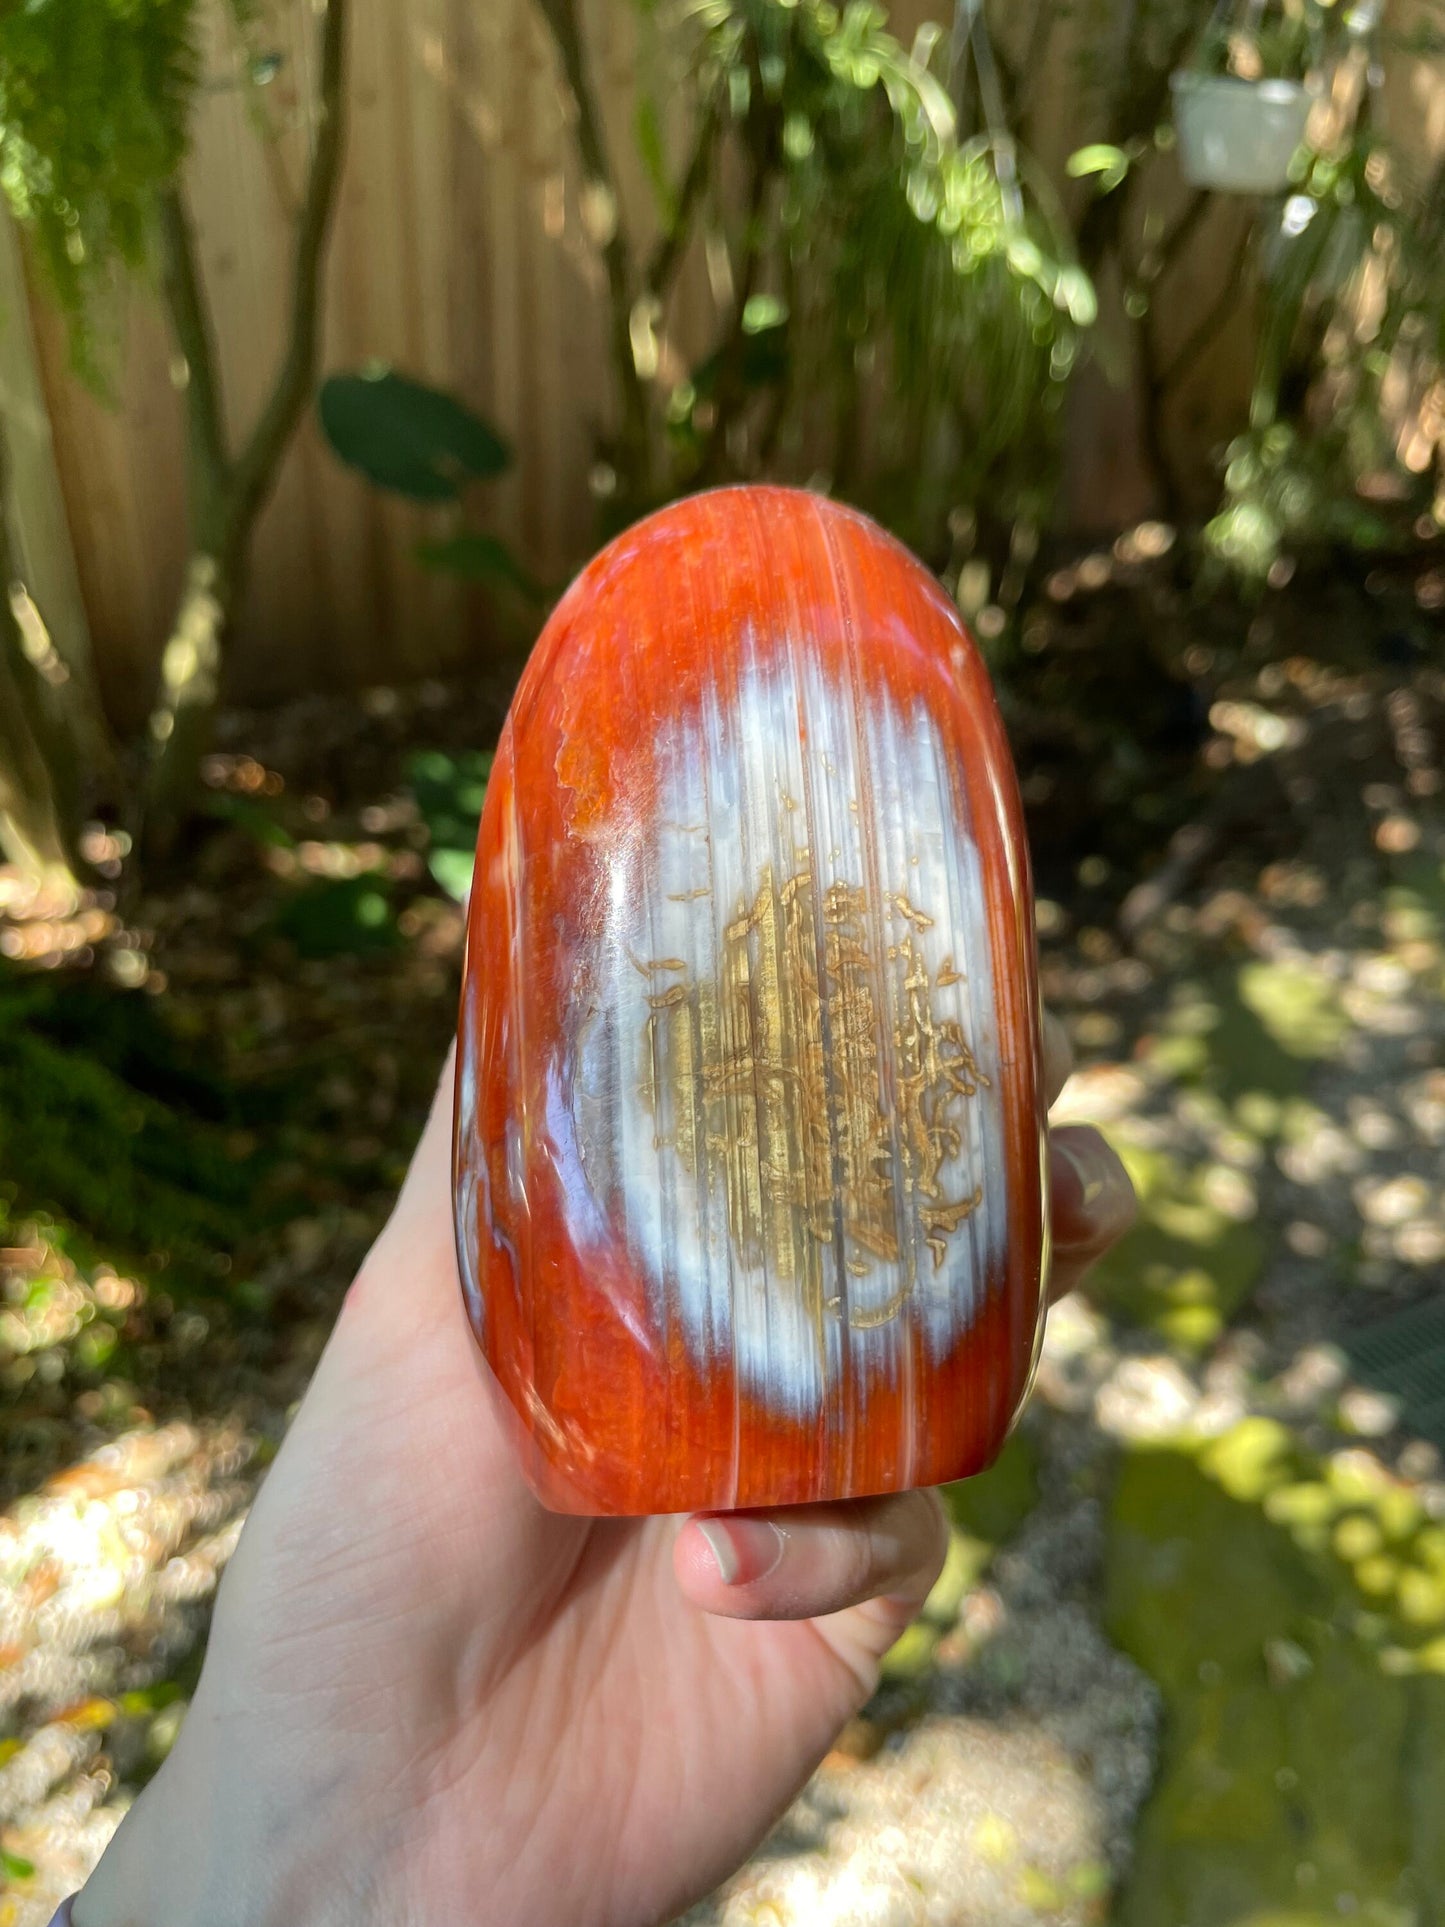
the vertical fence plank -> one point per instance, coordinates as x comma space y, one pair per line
40, 535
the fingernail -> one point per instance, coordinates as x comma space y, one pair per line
1102, 1197
746, 1550
1092, 1180
889, 1552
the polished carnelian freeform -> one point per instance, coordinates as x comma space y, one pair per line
749, 1127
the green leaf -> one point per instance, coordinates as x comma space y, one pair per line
95, 104
144, 1700
763, 311
765, 358
993, 1504
1024, 256
252, 816
417, 441
1074, 293
453, 871
1110, 163
449, 789
15, 1866
340, 916
481, 558
798, 137
765, 362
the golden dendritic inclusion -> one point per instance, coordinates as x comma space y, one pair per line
776, 1082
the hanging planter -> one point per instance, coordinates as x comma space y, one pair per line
1239, 136
1241, 106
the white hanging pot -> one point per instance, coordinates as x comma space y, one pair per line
1239, 136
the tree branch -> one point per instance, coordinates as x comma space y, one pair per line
1213, 318
256, 467
1151, 401
1137, 107
1178, 237
1040, 33
771, 425
673, 244
185, 300
731, 392
226, 511
562, 22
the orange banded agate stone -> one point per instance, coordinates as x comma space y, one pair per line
749, 1126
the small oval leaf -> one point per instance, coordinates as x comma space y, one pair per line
1074, 293
480, 558
1100, 157
404, 436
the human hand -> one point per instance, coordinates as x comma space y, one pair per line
428, 1701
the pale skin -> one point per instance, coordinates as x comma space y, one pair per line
429, 1702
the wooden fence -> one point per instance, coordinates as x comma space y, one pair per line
459, 256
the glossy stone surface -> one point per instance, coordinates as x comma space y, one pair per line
749, 1126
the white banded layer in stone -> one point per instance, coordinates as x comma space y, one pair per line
784, 1092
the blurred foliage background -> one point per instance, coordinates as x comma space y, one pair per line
331, 428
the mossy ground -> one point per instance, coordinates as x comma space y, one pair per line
1295, 1623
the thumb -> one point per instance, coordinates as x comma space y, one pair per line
413, 1262
859, 1570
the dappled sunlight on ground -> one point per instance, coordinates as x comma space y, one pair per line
1186, 1663
108, 1566
1233, 1579
217, 1119
109, 1571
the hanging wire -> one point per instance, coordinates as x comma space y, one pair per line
970, 35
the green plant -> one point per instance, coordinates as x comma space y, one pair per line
423, 444
1281, 491
105, 1121
95, 99
1352, 342
901, 294
943, 265
1283, 42
339, 917
450, 789
95, 103
1344, 279
897, 308
38, 776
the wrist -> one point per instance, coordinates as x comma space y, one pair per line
204, 1848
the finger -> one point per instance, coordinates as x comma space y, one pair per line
1092, 1202
1058, 1056
803, 1562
